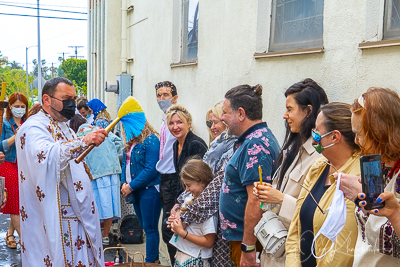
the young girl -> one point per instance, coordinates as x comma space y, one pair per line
194, 243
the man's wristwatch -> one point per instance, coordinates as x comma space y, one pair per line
245, 248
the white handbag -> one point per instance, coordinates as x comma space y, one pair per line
272, 234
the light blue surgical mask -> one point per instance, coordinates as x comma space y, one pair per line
87, 116
18, 112
165, 104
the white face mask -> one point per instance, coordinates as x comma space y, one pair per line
18, 112
335, 220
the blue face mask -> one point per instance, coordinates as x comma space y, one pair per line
87, 116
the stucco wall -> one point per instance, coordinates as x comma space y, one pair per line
227, 42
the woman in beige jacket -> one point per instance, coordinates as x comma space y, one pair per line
303, 101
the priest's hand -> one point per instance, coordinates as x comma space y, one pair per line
2, 157
96, 137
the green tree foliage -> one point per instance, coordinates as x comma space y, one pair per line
45, 69
14, 65
76, 71
15, 80
2, 60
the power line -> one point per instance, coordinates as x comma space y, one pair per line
42, 4
76, 49
66, 11
46, 17
53, 37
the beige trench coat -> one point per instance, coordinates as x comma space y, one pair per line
293, 177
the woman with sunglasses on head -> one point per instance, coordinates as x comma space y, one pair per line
16, 114
213, 122
376, 123
303, 101
319, 205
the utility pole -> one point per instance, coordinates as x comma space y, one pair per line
76, 49
27, 81
39, 58
64, 53
52, 70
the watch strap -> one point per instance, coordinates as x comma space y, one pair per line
246, 248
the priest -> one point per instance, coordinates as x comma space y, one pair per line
59, 221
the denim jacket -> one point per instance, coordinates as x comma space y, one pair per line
103, 160
144, 157
9, 151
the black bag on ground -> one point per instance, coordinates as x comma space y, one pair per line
131, 231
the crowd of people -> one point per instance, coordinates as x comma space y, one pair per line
212, 195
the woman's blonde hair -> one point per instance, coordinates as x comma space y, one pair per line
217, 111
146, 132
182, 113
103, 114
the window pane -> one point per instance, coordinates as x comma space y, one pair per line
391, 28
190, 31
296, 24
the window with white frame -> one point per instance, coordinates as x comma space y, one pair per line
190, 29
296, 24
391, 28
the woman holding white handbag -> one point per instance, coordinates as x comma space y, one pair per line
297, 154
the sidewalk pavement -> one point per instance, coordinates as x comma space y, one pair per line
164, 257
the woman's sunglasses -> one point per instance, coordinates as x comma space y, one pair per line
317, 137
210, 123
316, 203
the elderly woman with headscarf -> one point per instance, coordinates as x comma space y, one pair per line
101, 116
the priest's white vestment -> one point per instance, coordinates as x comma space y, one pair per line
59, 221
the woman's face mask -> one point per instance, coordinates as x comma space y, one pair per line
317, 138
18, 112
335, 221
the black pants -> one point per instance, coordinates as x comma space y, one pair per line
170, 188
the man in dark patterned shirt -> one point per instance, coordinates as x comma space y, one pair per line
256, 146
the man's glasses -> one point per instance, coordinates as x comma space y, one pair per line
317, 137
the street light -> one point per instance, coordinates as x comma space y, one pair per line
27, 82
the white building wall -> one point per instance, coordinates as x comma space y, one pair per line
228, 38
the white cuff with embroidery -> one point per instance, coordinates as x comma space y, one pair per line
70, 150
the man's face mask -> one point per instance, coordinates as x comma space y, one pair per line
317, 138
165, 104
68, 110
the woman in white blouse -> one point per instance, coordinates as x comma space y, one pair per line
376, 123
